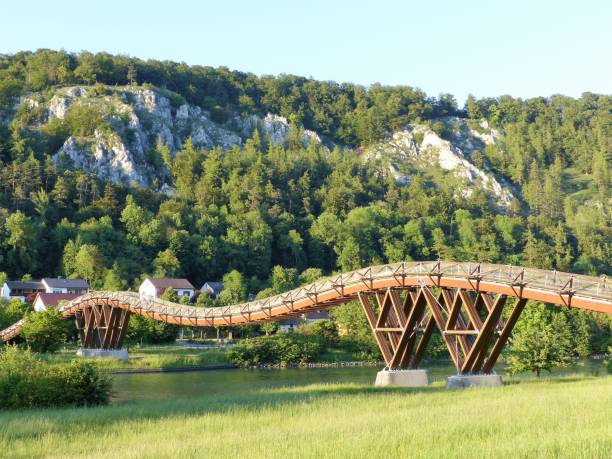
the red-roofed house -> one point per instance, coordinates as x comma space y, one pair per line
153, 287
43, 300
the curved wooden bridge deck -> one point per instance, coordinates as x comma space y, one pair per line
455, 297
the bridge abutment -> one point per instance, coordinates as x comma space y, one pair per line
402, 378
121, 354
483, 380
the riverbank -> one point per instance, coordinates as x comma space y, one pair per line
556, 417
157, 358
186, 356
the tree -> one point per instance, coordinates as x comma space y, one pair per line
131, 74
166, 264
234, 289
349, 258
12, 311
44, 331
89, 263
170, 295
269, 328
150, 331
542, 341
22, 238
112, 279
310, 275
204, 300
283, 279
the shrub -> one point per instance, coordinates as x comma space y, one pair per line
284, 349
27, 382
326, 330
362, 347
44, 331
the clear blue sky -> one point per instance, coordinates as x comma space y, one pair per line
488, 48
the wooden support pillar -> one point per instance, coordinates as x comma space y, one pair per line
102, 326
505, 334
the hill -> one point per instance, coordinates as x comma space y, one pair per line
113, 168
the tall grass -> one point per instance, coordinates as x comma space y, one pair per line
565, 417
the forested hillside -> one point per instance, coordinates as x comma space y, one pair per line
312, 208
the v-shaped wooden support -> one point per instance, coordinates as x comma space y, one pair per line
471, 325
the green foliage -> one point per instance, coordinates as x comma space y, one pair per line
44, 331
234, 289
142, 330
12, 311
170, 295
326, 330
26, 382
280, 349
542, 340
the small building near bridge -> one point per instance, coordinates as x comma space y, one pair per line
45, 300
212, 288
154, 287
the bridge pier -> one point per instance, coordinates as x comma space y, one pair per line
478, 380
402, 378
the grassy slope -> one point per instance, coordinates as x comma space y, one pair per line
551, 418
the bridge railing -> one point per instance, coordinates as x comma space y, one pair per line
534, 278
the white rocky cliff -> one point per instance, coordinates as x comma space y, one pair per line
420, 145
137, 119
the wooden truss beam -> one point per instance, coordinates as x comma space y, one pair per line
470, 325
102, 325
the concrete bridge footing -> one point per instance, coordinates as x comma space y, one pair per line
402, 378
462, 381
121, 354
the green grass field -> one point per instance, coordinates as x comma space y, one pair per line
557, 417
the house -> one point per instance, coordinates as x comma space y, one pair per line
22, 290
27, 290
315, 316
289, 325
63, 285
212, 288
153, 287
45, 300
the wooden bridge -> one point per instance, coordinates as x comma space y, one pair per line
403, 302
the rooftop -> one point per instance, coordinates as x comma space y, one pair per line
33, 285
53, 299
61, 282
165, 282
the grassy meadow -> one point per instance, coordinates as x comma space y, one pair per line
556, 417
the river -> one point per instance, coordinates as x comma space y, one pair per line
164, 386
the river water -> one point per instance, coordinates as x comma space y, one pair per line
167, 386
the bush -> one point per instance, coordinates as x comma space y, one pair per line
283, 350
27, 382
44, 331
326, 330
364, 348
